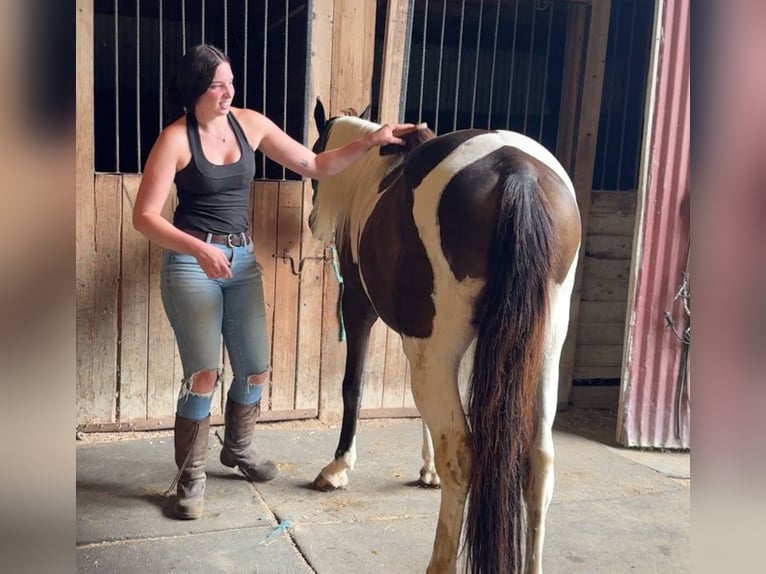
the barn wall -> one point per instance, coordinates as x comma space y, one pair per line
128, 366
603, 300
655, 393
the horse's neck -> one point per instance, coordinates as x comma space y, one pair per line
362, 190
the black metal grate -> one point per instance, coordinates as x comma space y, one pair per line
138, 44
499, 64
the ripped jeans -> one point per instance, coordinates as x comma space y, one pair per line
202, 310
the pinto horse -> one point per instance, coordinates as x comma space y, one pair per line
470, 235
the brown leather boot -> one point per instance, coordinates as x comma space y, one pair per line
190, 437
237, 448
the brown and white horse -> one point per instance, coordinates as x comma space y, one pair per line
472, 234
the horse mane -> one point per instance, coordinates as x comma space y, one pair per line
342, 198
338, 196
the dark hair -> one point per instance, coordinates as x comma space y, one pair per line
192, 78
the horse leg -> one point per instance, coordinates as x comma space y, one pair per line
539, 490
359, 317
435, 389
428, 476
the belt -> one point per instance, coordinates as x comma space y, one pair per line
230, 239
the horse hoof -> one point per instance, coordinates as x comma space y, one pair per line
429, 479
323, 485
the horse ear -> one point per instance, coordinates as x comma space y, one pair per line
319, 116
365, 115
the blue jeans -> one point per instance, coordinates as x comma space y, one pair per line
202, 310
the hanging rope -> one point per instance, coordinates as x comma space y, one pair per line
339, 279
684, 294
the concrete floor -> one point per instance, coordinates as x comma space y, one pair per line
614, 511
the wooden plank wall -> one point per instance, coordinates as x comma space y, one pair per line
136, 380
132, 374
606, 269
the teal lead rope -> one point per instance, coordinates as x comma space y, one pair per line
339, 279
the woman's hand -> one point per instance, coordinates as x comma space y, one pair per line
388, 134
213, 261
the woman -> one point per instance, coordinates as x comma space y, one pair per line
210, 281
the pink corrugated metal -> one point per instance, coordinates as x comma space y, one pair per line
649, 405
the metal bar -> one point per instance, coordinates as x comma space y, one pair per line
513, 66
183, 24
439, 75
476, 65
116, 87
284, 79
459, 58
138, 86
545, 74
529, 68
226, 26
423, 62
288, 15
202, 22
244, 55
492, 73
625, 99
162, 79
263, 79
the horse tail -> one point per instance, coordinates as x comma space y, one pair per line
510, 320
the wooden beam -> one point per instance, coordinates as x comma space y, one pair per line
320, 61
85, 215
95, 296
392, 67
584, 156
166, 423
574, 61
353, 52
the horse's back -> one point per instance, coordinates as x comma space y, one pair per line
462, 176
428, 241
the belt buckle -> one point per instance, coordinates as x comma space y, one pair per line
229, 237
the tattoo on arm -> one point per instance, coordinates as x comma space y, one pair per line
304, 163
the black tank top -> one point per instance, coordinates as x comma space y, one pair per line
214, 198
